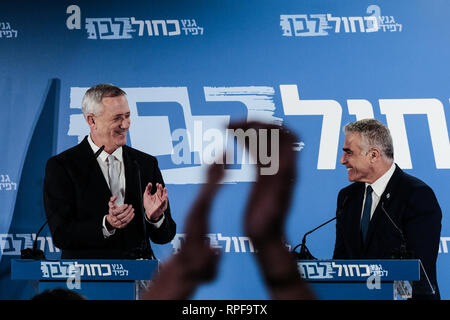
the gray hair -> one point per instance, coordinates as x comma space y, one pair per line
373, 134
93, 97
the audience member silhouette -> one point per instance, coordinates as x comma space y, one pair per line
58, 294
264, 219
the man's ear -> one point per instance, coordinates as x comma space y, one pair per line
375, 154
90, 120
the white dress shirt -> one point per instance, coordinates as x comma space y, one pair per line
378, 188
101, 159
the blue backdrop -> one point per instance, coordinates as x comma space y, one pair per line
191, 66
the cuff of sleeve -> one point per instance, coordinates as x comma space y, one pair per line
105, 231
156, 224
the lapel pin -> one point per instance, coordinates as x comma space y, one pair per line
388, 196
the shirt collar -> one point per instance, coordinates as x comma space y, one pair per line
104, 155
380, 184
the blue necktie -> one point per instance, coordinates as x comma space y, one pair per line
366, 213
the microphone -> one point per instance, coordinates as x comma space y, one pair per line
144, 251
304, 253
35, 253
99, 151
400, 253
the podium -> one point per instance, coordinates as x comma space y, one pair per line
361, 279
94, 279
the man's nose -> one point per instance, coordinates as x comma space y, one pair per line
343, 159
125, 123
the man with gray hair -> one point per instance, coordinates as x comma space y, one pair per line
93, 194
386, 213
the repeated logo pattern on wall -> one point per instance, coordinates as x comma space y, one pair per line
117, 28
325, 24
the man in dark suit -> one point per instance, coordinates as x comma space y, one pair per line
92, 193
385, 213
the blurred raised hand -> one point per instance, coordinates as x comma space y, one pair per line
196, 263
266, 213
264, 219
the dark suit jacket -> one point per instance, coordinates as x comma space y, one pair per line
413, 207
76, 197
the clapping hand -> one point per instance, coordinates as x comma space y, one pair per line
155, 204
119, 216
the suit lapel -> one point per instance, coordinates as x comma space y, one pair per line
132, 194
385, 201
354, 216
131, 180
94, 175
